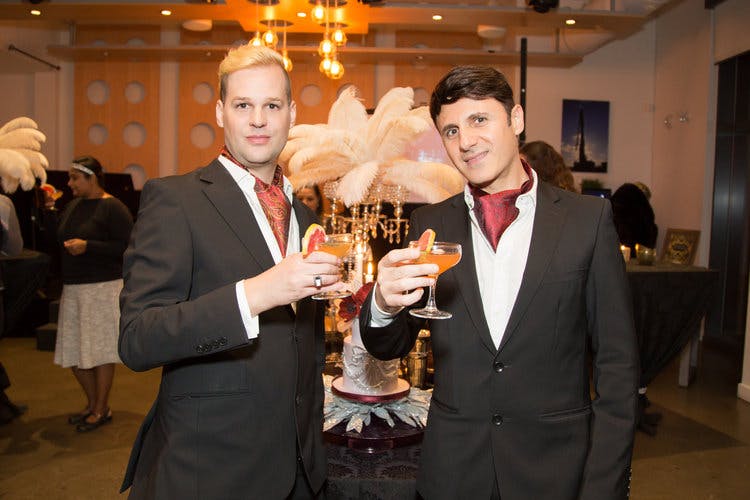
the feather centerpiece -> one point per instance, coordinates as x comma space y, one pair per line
364, 152
21, 159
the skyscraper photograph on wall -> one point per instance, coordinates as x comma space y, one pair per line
585, 135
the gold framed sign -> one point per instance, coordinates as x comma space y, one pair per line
680, 246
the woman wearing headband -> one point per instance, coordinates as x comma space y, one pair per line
93, 232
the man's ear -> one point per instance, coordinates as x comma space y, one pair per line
220, 113
517, 119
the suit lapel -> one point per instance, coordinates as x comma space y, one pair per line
232, 206
457, 228
548, 223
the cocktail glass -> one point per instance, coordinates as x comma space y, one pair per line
445, 255
338, 245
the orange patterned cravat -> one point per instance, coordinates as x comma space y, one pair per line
272, 199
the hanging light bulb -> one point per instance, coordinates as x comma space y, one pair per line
325, 65
338, 37
287, 61
285, 55
257, 40
270, 39
326, 47
337, 70
318, 12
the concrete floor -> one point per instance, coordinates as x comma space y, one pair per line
701, 450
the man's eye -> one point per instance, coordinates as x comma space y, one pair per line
480, 119
450, 133
273, 106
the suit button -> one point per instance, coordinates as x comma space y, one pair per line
498, 366
297, 399
497, 419
199, 348
223, 340
216, 344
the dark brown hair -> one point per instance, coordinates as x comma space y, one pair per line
473, 82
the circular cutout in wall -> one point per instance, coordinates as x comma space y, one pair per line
135, 92
310, 95
98, 134
203, 93
134, 134
202, 136
138, 174
97, 92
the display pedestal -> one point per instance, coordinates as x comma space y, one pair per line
376, 437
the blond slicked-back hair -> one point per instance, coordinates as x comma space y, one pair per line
248, 56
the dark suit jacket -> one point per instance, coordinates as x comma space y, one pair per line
523, 413
231, 412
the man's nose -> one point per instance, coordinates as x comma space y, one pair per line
258, 117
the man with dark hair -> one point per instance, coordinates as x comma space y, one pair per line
540, 286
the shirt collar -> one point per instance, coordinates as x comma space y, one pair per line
530, 195
240, 175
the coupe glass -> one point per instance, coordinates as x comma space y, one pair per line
445, 255
338, 245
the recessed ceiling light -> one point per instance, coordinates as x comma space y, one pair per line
166, 12
437, 17
570, 22
301, 14
35, 12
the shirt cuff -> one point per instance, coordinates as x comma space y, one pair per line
252, 325
379, 318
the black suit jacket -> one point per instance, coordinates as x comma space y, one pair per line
522, 414
231, 414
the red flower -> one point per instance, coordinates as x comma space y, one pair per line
350, 306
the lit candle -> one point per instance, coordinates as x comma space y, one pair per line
625, 250
369, 276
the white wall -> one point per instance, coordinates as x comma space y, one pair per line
621, 72
684, 73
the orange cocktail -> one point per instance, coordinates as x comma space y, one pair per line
338, 245
445, 255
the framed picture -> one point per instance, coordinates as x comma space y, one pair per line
585, 135
680, 246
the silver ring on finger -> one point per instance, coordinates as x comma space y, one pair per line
317, 282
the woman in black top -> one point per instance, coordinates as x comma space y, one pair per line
93, 232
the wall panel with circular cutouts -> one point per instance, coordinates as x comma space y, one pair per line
116, 103
117, 114
199, 139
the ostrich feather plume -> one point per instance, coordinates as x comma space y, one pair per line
361, 151
21, 160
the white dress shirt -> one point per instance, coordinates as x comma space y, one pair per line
499, 272
246, 181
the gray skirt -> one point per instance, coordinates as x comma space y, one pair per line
88, 325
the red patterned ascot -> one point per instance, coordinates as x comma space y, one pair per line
495, 212
275, 204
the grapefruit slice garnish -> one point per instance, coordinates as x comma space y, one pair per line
426, 240
314, 236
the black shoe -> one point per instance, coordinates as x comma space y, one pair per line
78, 418
100, 420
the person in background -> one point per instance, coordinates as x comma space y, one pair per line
634, 218
539, 289
312, 197
217, 293
93, 231
11, 244
548, 165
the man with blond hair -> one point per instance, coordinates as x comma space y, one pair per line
217, 293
